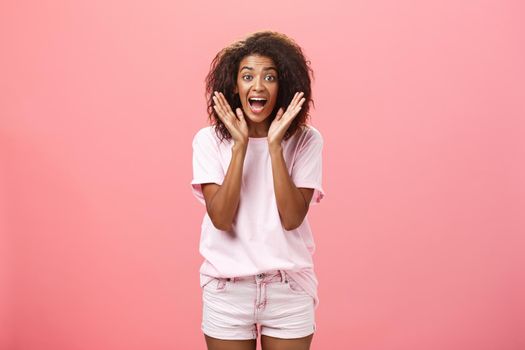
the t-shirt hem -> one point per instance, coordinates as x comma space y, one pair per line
197, 188
318, 191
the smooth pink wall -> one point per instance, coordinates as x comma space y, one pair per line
420, 238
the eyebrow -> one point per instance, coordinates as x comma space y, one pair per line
267, 68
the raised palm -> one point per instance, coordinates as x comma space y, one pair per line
283, 119
236, 125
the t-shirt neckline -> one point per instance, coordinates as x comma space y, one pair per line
258, 139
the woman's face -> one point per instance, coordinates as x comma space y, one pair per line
257, 86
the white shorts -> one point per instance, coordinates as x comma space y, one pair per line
234, 308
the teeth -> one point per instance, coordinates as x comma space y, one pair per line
262, 100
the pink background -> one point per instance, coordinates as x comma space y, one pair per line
420, 238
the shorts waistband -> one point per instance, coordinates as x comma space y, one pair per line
269, 276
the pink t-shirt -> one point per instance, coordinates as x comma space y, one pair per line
258, 242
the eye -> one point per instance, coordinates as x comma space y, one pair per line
271, 76
246, 75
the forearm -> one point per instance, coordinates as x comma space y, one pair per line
290, 200
224, 203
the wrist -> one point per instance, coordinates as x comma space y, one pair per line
239, 147
275, 148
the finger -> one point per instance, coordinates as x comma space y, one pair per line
216, 97
223, 107
295, 110
218, 113
240, 114
225, 103
218, 105
299, 96
221, 113
279, 114
299, 105
292, 102
219, 101
296, 97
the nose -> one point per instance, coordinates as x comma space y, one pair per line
257, 84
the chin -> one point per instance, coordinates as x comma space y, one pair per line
256, 118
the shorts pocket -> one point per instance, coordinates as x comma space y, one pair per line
216, 285
293, 286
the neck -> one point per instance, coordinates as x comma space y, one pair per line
258, 129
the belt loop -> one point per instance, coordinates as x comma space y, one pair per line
283, 275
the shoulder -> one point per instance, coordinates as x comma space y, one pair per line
204, 132
308, 134
314, 134
205, 135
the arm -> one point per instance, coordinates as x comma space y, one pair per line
292, 202
222, 201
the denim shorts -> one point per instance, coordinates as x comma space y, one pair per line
235, 308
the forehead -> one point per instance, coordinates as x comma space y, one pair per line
257, 62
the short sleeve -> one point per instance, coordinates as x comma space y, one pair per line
307, 169
206, 162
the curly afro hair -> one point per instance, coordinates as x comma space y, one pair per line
293, 69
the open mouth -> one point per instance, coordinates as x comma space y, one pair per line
257, 104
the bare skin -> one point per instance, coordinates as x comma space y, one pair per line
293, 203
222, 200
271, 343
267, 343
220, 344
257, 76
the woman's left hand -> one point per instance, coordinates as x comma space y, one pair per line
283, 120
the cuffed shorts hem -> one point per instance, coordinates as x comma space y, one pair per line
229, 335
287, 334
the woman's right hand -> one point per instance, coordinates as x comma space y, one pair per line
236, 125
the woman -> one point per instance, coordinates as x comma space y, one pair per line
257, 169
